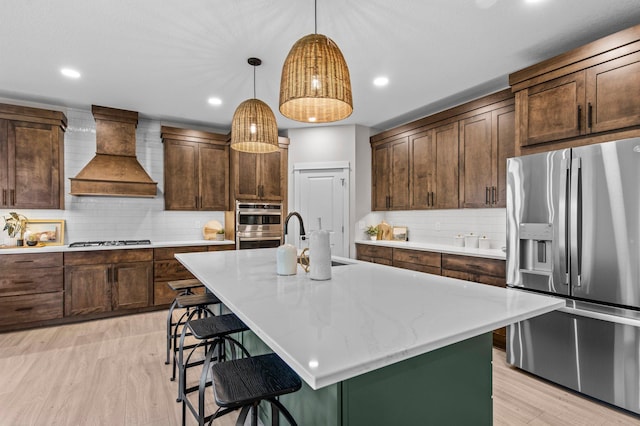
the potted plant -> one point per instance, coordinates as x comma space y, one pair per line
372, 232
220, 235
15, 224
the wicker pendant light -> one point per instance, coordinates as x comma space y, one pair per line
253, 127
315, 86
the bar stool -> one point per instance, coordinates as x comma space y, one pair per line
194, 305
214, 335
184, 287
244, 383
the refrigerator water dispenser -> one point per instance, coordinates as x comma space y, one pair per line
535, 247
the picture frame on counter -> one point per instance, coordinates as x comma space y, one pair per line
399, 233
49, 232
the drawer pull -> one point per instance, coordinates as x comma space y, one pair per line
24, 261
28, 308
23, 282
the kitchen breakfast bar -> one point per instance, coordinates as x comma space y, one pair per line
374, 345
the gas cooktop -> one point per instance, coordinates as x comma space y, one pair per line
110, 243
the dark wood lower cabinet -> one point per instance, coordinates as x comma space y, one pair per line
31, 289
109, 280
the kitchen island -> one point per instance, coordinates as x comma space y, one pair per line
375, 344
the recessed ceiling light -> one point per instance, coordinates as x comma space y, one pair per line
215, 101
533, 1
381, 81
71, 73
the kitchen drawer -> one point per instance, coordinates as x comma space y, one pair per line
30, 308
478, 278
167, 253
374, 254
107, 256
417, 260
474, 265
221, 247
29, 281
169, 270
22, 261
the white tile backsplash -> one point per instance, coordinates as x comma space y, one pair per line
441, 226
118, 218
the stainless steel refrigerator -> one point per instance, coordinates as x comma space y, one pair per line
573, 230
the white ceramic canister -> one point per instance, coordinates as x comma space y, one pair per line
319, 255
484, 243
287, 260
471, 240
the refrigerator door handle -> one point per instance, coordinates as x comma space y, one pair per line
562, 222
576, 221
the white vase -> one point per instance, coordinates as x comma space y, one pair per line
373, 237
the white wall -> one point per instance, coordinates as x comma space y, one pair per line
116, 218
336, 143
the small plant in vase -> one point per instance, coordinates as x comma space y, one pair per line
372, 232
15, 224
220, 235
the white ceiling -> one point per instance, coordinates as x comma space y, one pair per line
166, 58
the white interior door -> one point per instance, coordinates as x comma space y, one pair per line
322, 198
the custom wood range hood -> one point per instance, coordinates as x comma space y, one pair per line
115, 170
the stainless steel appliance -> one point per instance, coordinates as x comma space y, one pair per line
573, 230
258, 225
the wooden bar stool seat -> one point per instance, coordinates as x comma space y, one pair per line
244, 383
182, 285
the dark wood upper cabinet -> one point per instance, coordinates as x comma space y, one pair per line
390, 165
613, 94
587, 95
486, 141
260, 177
434, 168
554, 110
455, 158
31, 158
196, 170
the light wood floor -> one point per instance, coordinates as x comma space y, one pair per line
112, 372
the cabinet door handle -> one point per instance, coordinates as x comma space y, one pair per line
493, 195
589, 115
13, 197
200, 198
433, 197
4, 197
579, 117
486, 195
428, 198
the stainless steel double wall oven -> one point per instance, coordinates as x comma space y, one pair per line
258, 225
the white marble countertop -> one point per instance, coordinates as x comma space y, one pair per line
441, 248
366, 317
65, 248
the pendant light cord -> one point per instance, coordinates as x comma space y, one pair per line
254, 82
315, 16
